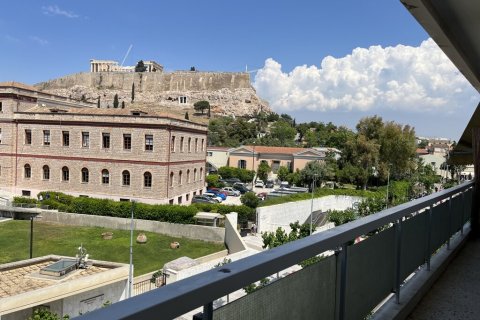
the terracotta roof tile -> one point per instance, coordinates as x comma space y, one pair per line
265, 149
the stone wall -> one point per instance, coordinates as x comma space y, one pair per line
281, 215
174, 81
228, 93
212, 234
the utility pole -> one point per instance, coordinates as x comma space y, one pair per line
311, 204
130, 272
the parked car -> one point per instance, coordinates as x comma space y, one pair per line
218, 193
259, 184
213, 197
231, 191
262, 195
269, 184
241, 188
232, 180
284, 184
202, 199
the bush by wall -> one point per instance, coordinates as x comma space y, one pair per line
317, 194
121, 209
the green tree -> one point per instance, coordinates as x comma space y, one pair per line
272, 117
213, 180
115, 101
283, 132
43, 313
282, 173
263, 170
123, 104
201, 106
250, 200
140, 67
314, 170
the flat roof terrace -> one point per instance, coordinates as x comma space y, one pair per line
22, 286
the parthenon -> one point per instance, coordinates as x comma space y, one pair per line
113, 66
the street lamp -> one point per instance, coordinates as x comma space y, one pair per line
311, 204
253, 164
388, 184
130, 272
31, 234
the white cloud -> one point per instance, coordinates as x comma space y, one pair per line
392, 78
39, 40
56, 11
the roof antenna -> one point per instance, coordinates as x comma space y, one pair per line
126, 55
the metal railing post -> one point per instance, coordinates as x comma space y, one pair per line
429, 235
449, 221
208, 311
341, 282
463, 212
398, 251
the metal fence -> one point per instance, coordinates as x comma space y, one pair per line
398, 241
146, 285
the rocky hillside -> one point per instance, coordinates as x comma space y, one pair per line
228, 94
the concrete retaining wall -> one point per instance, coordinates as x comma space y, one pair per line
233, 240
281, 215
190, 231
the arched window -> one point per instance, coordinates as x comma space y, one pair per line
126, 178
46, 172
147, 179
85, 175
201, 174
105, 176
65, 174
27, 171
171, 179
180, 177
188, 176
194, 174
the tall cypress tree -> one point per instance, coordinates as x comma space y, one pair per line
133, 92
115, 101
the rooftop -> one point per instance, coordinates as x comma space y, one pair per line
24, 276
22, 286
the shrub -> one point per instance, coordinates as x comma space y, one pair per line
120, 209
250, 199
340, 217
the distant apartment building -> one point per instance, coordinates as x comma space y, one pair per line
113, 66
249, 157
49, 142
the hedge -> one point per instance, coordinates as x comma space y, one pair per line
317, 194
158, 212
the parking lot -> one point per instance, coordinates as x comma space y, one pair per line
236, 200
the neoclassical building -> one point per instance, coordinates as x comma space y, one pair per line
48, 142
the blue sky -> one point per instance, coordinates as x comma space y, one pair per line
376, 53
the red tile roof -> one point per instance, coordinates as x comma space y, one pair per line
287, 150
422, 151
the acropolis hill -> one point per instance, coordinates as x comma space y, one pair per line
229, 93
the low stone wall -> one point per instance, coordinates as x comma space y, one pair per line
281, 215
212, 234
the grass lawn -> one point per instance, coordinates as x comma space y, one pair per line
64, 240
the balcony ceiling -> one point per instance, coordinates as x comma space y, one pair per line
455, 27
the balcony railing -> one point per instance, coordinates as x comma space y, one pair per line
347, 285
